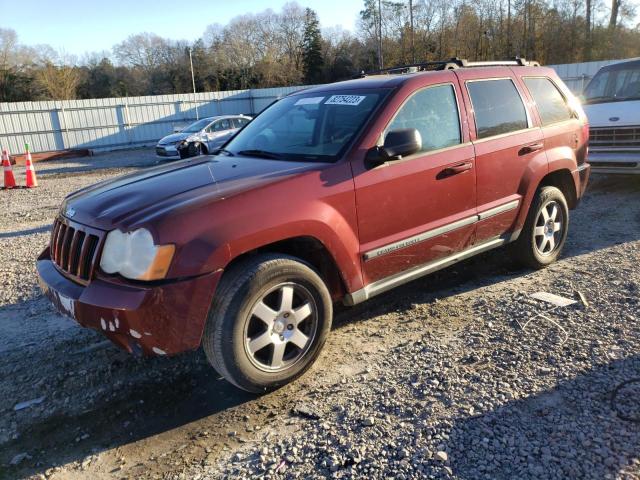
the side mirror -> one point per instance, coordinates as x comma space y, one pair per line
397, 144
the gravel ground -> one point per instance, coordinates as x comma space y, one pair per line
453, 376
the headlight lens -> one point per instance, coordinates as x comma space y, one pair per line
135, 255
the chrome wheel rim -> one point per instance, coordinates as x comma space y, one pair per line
280, 327
549, 228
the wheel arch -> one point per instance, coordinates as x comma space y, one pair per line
560, 178
311, 251
563, 181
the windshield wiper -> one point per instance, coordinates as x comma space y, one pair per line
600, 98
218, 151
260, 154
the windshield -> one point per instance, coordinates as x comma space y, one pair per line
309, 127
614, 85
196, 127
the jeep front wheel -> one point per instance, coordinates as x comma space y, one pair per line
268, 322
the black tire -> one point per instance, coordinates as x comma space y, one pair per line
194, 149
227, 335
533, 249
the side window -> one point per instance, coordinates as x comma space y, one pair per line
240, 122
498, 107
211, 128
433, 111
550, 102
224, 124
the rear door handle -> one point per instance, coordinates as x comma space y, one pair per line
534, 147
456, 169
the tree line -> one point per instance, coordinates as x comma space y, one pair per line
289, 47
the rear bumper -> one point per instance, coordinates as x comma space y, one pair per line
581, 179
156, 320
614, 162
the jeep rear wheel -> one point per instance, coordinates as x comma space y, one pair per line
268, 322
545, 230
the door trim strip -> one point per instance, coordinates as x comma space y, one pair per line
506, 207
421, 237
392, 281
426, 235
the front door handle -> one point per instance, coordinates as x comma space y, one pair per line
455, 169
527, 149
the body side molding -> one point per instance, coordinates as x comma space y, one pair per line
392, 281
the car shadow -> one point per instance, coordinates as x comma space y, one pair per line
572, 430
174, 392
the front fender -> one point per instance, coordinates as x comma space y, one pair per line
316, 204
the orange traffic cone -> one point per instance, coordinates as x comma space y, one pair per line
32, 181
9, 179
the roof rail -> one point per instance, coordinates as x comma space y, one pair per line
451, 64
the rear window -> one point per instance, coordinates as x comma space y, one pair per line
498, 107
550, 102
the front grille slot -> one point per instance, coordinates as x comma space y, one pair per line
615, 137
74, 249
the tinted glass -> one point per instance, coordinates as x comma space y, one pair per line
550, 102
614, 85
308, 127
222, 125
434, 113
241, 122
196, 127
498, 107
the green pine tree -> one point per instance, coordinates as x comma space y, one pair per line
312, 60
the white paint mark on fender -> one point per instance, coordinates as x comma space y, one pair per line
103, 324
134, 334
147, 334
112, 328
156, 350
117, 322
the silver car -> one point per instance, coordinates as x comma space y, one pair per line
201, 137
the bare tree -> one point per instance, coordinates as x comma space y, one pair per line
60, 82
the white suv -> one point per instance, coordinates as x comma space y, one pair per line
612, 104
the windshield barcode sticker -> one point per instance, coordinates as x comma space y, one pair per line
352, 100
309, 101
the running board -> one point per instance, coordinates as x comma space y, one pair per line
385, 284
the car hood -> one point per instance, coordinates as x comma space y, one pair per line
174, 138
613, 114
140, 197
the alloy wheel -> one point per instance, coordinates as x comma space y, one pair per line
549, 228
281, 327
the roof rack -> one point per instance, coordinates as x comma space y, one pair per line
451, 64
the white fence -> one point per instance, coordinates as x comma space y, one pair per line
112, 123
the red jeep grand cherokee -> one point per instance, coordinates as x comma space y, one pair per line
338, 192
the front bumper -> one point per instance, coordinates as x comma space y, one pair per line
614, 162
167, 151
163, 319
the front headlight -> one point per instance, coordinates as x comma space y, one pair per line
135, 255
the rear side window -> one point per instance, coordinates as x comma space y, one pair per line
240, 122
550, 102
498, 107
433, 111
